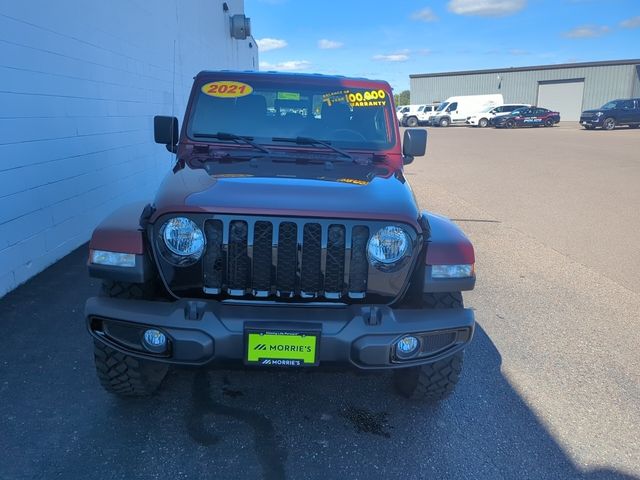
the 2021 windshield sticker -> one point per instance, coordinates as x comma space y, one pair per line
226, 89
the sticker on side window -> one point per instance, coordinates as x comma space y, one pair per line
226, 89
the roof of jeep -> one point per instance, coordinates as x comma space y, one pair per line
289, 75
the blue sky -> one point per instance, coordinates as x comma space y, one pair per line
391, 40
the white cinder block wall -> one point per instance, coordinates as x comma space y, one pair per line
80, 81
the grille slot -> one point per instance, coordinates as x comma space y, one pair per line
262, 258
334, 271
238, 263
310, 274
359, 266
213, 257
285, 258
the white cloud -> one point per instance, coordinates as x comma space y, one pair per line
486, 8
266, 44
325, 44
587, 31
633, 22
424, 15
393, 57
288, 66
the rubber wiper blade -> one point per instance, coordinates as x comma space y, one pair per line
312, 141
232, 137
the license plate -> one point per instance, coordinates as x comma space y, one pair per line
281, 348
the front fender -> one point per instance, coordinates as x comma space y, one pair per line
447, 245
121, 232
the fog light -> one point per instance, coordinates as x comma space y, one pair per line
154, 340
407, 346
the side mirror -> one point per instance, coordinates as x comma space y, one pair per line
165, 132
414, 144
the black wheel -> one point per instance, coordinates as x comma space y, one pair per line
483, 122
510, 124
609, 123
119, 373
124, 375
412, 122
548, 122
444, 122
437, 380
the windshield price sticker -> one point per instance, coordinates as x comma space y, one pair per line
370, 98
288, 96
226, 89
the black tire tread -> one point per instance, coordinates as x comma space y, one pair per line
124, 375
443, 300
129, 291
432, 382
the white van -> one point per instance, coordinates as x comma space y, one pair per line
483, 118
406, 110
456, 109
420, 117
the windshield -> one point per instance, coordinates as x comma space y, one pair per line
268, 111
442, 106
612, 105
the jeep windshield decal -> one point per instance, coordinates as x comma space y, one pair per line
267, 110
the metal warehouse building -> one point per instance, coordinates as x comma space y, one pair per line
567, 88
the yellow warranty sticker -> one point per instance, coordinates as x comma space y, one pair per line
226, 89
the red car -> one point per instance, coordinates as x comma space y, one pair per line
527, 117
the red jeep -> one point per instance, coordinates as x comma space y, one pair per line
286, 235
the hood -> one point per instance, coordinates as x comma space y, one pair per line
345, 190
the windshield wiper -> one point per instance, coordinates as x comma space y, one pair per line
312, 141
232, 137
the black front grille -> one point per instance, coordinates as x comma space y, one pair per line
285, 259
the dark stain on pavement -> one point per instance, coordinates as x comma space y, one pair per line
270, 455
366, 421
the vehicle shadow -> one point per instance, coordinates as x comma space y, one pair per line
56, 421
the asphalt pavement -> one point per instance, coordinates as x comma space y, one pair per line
550, 388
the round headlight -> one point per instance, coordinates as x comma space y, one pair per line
388, 245
183, 237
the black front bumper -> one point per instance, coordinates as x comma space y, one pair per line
202, 332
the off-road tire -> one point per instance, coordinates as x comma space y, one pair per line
412, 122
442, 300
432, 382
483, 123
124, 375
609, 123
129, 291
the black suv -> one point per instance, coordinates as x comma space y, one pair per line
613, 113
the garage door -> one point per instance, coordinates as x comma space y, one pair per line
564, 97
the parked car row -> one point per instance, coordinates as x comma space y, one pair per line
490, 110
